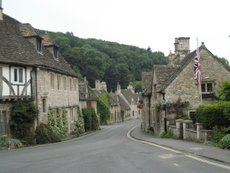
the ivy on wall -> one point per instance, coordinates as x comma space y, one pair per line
91, 120
57, 120
23, 114
103, 107
80, 125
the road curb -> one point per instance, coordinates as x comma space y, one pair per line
178, 151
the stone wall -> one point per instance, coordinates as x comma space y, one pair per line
184, 129
55, 90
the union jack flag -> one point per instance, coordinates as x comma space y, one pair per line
197, 67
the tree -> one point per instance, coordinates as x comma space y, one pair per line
111, 77
225, 91
123, 78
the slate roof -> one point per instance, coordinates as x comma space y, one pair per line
129, 95
123, 104
163, 74
166, 77
146, 82
113, 99
15, 49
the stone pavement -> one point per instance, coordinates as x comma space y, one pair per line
198, 149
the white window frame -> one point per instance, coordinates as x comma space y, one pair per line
18, 75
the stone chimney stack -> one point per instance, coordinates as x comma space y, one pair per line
182, 44
1, 14
182, 47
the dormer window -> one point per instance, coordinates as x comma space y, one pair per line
39, 44
55, 52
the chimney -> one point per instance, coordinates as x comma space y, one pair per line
1, 14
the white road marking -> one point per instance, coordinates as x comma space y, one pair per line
167, 156
176, 151
176, 164
196, 148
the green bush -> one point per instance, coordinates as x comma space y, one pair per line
167, 134
6, 142
225, 142
91, 120
80, 127
103, 104
218, 134
23, 114
214, 114
44, 134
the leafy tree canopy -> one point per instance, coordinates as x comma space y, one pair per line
104, 60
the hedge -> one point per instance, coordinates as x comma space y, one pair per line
214, 114
91, 120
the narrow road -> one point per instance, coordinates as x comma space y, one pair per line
106, 151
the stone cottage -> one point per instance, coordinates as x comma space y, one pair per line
173, 83
31, 67
124, 106
86, 98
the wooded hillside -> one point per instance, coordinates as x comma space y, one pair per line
104, 60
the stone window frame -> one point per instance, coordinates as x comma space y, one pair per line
207, 87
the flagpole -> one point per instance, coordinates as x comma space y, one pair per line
199, 80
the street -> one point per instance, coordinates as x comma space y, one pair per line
106, 151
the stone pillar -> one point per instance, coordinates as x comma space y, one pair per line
186, 125
199, 126
179, 127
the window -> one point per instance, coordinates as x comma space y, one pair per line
39, 45
18, 74
55, 49
64, 83
207, 87
70, 84
58, 82
43, 105
52, 80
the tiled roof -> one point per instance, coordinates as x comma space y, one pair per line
16, 49
27, 30
162, 74
129, 95
183, 64
113, 99
123, 104
146, 82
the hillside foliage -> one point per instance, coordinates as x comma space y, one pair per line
104, 60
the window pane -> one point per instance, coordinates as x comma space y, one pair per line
15, 75
203, 87
44, 105
52, 80
209, 87
20, 75
39, 45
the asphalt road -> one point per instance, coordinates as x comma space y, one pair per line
106, 151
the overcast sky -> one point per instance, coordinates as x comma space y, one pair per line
142, 23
